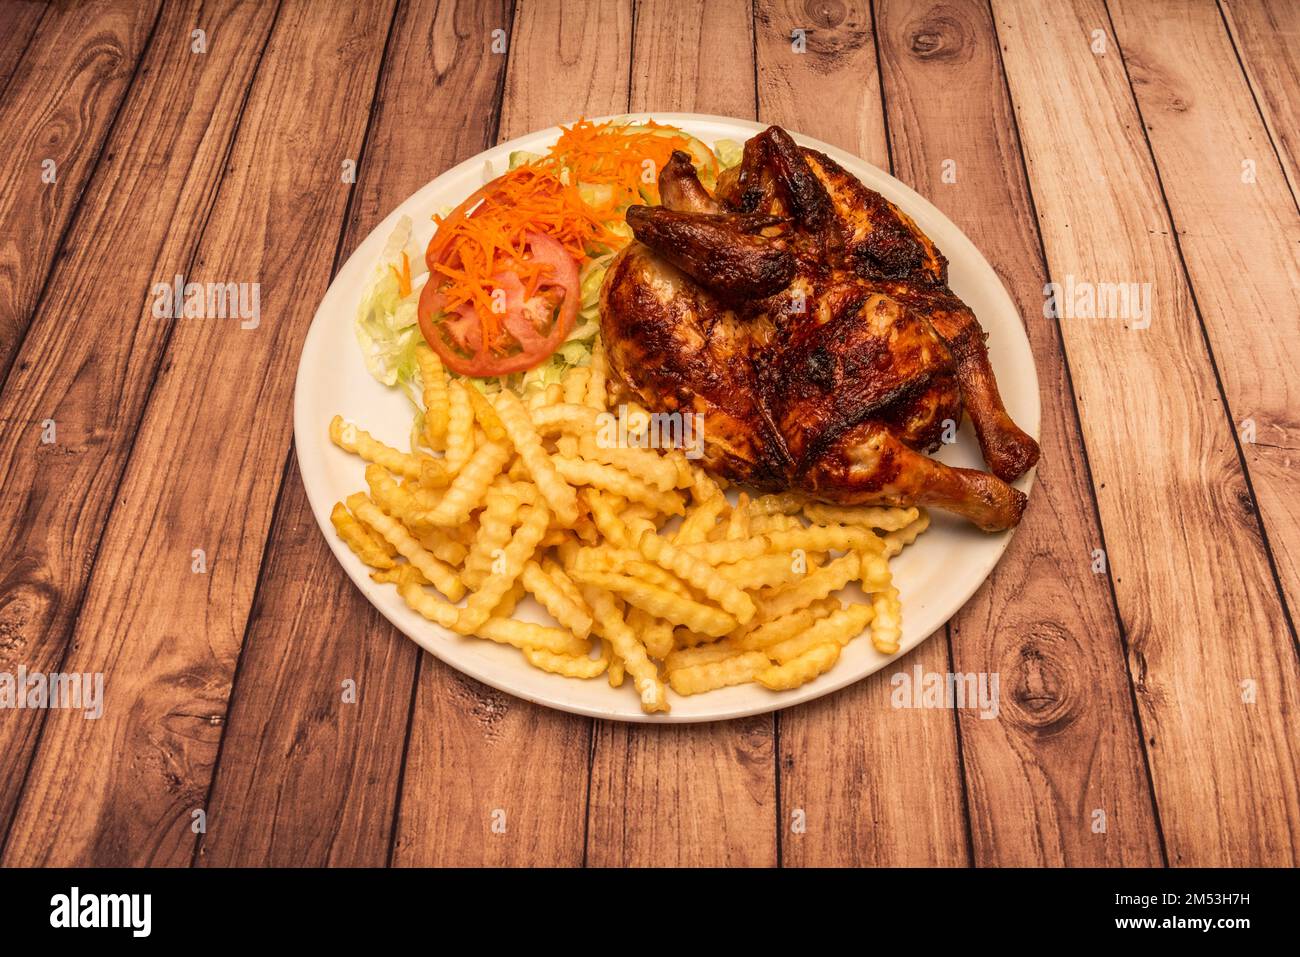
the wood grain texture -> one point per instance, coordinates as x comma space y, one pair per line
1239, 233
304, 778
568, 58
700, 795
694, 56
204, 471
832, 89
687, 795
860, 782
1199, 604
1266, 35
58, 106
93, 350
1065, 742
478, 757
866, 785
18, 22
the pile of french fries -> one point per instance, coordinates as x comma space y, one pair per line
504, 496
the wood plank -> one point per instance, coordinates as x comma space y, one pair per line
694, 56
1181, 531
18, 22
1065, 743
700, 795
1266, 34
477, 756
88, 368
1239, 234
833, 86
849, 768
310, 780
207, 462
567, 58
302, 778
58, 107
687, 795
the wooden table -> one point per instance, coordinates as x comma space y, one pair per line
155, 527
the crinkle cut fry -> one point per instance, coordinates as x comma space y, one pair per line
885, 518
662, 603
460, 426
394, 499
506, 631
570, 666
696, 573
800, 670
358, 441
559, 495
515, 556
779, 629
496, 523
557, 603
887, 627
436, 395
628, 647
643, 464
734, 670
584, 472
763, 571
900, 538
371, 548
443, 576
469, 487
840, 627
815, 585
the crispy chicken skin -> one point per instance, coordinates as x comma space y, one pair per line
718, 247
809, 320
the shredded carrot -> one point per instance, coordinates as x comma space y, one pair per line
472, 246
614, 155
488, 232
403, 277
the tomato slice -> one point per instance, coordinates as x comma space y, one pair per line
538, 324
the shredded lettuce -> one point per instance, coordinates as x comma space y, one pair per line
728, 152
596, 194
575, 352
590, 278
387, 325
522, 158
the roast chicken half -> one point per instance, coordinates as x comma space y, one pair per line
810, 322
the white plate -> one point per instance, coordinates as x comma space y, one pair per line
935, 576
